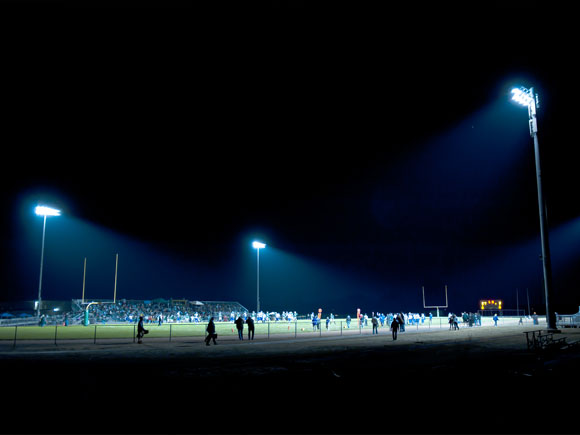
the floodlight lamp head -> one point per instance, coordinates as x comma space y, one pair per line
258, 245
42, 210
523, 96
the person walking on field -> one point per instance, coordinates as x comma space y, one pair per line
375, 325
395, 327
210, 332
141, 331
250, 323
240, 326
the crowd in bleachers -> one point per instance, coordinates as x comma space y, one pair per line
127, 311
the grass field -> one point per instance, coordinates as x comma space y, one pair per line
128, 331
119, 331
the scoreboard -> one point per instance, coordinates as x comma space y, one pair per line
490, 304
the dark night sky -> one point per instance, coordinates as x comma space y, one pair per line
371, 163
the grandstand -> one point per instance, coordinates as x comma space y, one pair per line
120, 311
171, 310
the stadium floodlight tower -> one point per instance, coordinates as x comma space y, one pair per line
44, 211
257, 246
527, 97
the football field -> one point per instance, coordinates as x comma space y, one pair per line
225, 330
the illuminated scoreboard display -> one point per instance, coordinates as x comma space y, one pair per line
491, 304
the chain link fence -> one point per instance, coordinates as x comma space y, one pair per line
126, 333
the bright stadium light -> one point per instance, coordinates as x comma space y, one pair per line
527, 97
44, 211
522, 96
257, 246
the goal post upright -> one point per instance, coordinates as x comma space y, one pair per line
84, 276
116, 268
436, 306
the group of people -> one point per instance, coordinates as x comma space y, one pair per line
395, 321
471, 319
274, 316
387, 319
263, 316
239, 322
316, 321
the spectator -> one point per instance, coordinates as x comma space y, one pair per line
250, 323
375, 323
395, 327
240, 327
210, 332
141, 331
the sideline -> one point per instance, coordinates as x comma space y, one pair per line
182, 343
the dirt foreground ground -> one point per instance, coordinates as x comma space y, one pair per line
475, 380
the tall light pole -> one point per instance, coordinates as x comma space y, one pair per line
257, 246
43, 211
528, 98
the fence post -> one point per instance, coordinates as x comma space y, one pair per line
268, 329
170, 325
295, 328
55, 331
15, 331
133, 333
95, 338
341, 328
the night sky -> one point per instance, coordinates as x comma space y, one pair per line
371, 163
